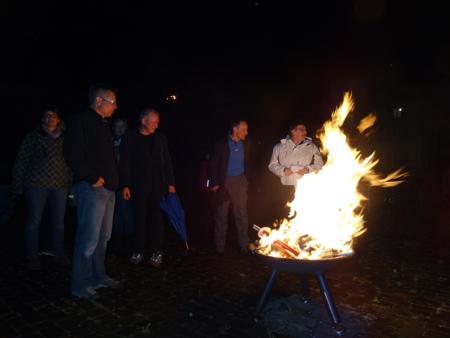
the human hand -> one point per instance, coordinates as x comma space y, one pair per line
215, 188
126, 194
287, 172
303, 171
100, 183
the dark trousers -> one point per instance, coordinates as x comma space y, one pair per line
236, 187
286, 193
148, 222
37, 198
123, 216
121, 242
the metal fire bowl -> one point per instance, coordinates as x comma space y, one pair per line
301, 265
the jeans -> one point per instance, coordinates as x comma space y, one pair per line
236, 187
36, 199
95, 211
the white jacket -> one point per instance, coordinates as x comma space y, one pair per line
287, 154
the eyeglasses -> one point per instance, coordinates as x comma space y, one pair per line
108, 100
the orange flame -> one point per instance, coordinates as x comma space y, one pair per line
325, 215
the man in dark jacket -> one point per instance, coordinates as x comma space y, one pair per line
41, 173
89, 151
147, 176
228, 177
123, 227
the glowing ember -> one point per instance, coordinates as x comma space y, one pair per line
326, 213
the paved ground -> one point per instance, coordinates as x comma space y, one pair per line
397, 285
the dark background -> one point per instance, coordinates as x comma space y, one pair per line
267, 61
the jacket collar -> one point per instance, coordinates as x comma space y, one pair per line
287, 140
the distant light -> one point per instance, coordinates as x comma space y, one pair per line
398, 112
171, 98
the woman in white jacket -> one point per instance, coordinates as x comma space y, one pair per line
294, 157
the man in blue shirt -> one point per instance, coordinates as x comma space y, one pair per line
228, 177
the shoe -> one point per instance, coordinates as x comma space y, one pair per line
46, 253
33, 263
244, 251
137, 258
61, 260
109, 283
156, 259
88, 293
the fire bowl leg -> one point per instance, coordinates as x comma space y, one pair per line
267, 289
304, 289
328, 299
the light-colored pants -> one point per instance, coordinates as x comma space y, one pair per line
236, 187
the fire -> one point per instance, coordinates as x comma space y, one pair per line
327, 211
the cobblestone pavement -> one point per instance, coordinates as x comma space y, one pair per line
396, 285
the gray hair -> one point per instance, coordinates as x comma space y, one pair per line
99, 90
147, 111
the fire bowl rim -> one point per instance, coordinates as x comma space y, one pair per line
304, 261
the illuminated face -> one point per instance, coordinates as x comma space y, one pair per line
150, 122
241, 131
299, 132
106, 103
50, 120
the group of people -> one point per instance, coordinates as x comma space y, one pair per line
85, 158
120, 177
230, 171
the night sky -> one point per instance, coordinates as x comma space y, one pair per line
268, 61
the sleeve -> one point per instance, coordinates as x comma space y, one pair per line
274, 166
75, 148
22, 164
124, 163
317, 161
168, 167
214, 165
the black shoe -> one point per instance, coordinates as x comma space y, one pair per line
88, 293
244, 251
137, 258
109, 283
156, 259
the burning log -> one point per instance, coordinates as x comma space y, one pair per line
282, 247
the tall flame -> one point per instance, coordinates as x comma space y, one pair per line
326, 213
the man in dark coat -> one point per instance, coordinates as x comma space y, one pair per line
89, 151
146, 177
123, 226
229, 168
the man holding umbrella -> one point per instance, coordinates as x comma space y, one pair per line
146, 175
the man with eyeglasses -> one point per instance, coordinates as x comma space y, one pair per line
89, 151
